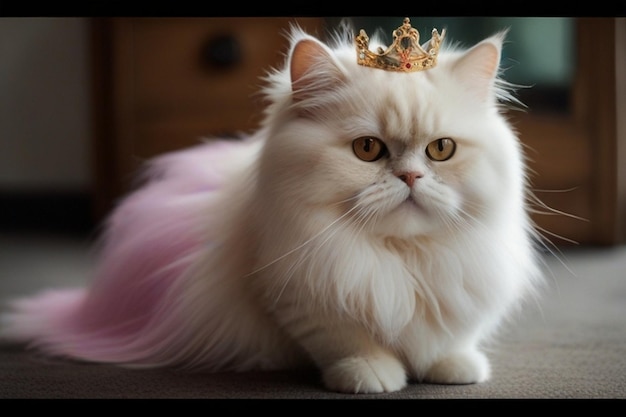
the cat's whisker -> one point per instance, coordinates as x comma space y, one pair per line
554, 251
544, 241
564, 190
371, 288
346, 200
362, 216
307, 255
302, 245
365, 216
460, 217
540, 232
460, 223
311, 252
543, 230
457, 221
536, 201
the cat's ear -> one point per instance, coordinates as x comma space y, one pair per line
313, 69
478, 67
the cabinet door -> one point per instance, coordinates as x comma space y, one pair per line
163, 84
579, 158
578, 155
168, 83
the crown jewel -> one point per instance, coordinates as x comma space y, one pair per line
405, 53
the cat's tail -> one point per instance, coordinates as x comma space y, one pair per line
129, 313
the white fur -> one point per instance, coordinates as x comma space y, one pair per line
315, 257
323, 258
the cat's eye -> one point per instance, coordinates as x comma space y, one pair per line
441, 149
368, 148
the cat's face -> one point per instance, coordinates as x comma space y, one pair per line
398, 154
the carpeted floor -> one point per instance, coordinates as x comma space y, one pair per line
572, 344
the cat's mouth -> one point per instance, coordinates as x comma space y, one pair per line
412, 204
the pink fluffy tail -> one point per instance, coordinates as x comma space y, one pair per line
129, 312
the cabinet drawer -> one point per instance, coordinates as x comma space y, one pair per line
194, 66
163, 84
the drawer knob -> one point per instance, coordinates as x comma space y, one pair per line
221, 52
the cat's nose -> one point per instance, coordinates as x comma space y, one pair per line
409, 177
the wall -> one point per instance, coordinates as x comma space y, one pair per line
45, 112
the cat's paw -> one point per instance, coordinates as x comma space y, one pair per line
366, 374
467, 367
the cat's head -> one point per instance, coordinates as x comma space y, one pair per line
397, 154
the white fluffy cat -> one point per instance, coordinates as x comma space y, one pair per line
375, 227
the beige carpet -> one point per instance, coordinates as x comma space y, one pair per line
572, 344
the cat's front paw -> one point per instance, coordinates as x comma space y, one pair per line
365, 374
467, 367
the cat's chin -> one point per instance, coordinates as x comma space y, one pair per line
410, 204
408, 219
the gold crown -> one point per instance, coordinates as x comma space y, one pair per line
405, 53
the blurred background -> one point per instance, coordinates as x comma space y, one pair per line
84, 101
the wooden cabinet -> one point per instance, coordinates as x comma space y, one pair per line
166, 83
579, 158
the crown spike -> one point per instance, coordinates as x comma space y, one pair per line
405, 53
